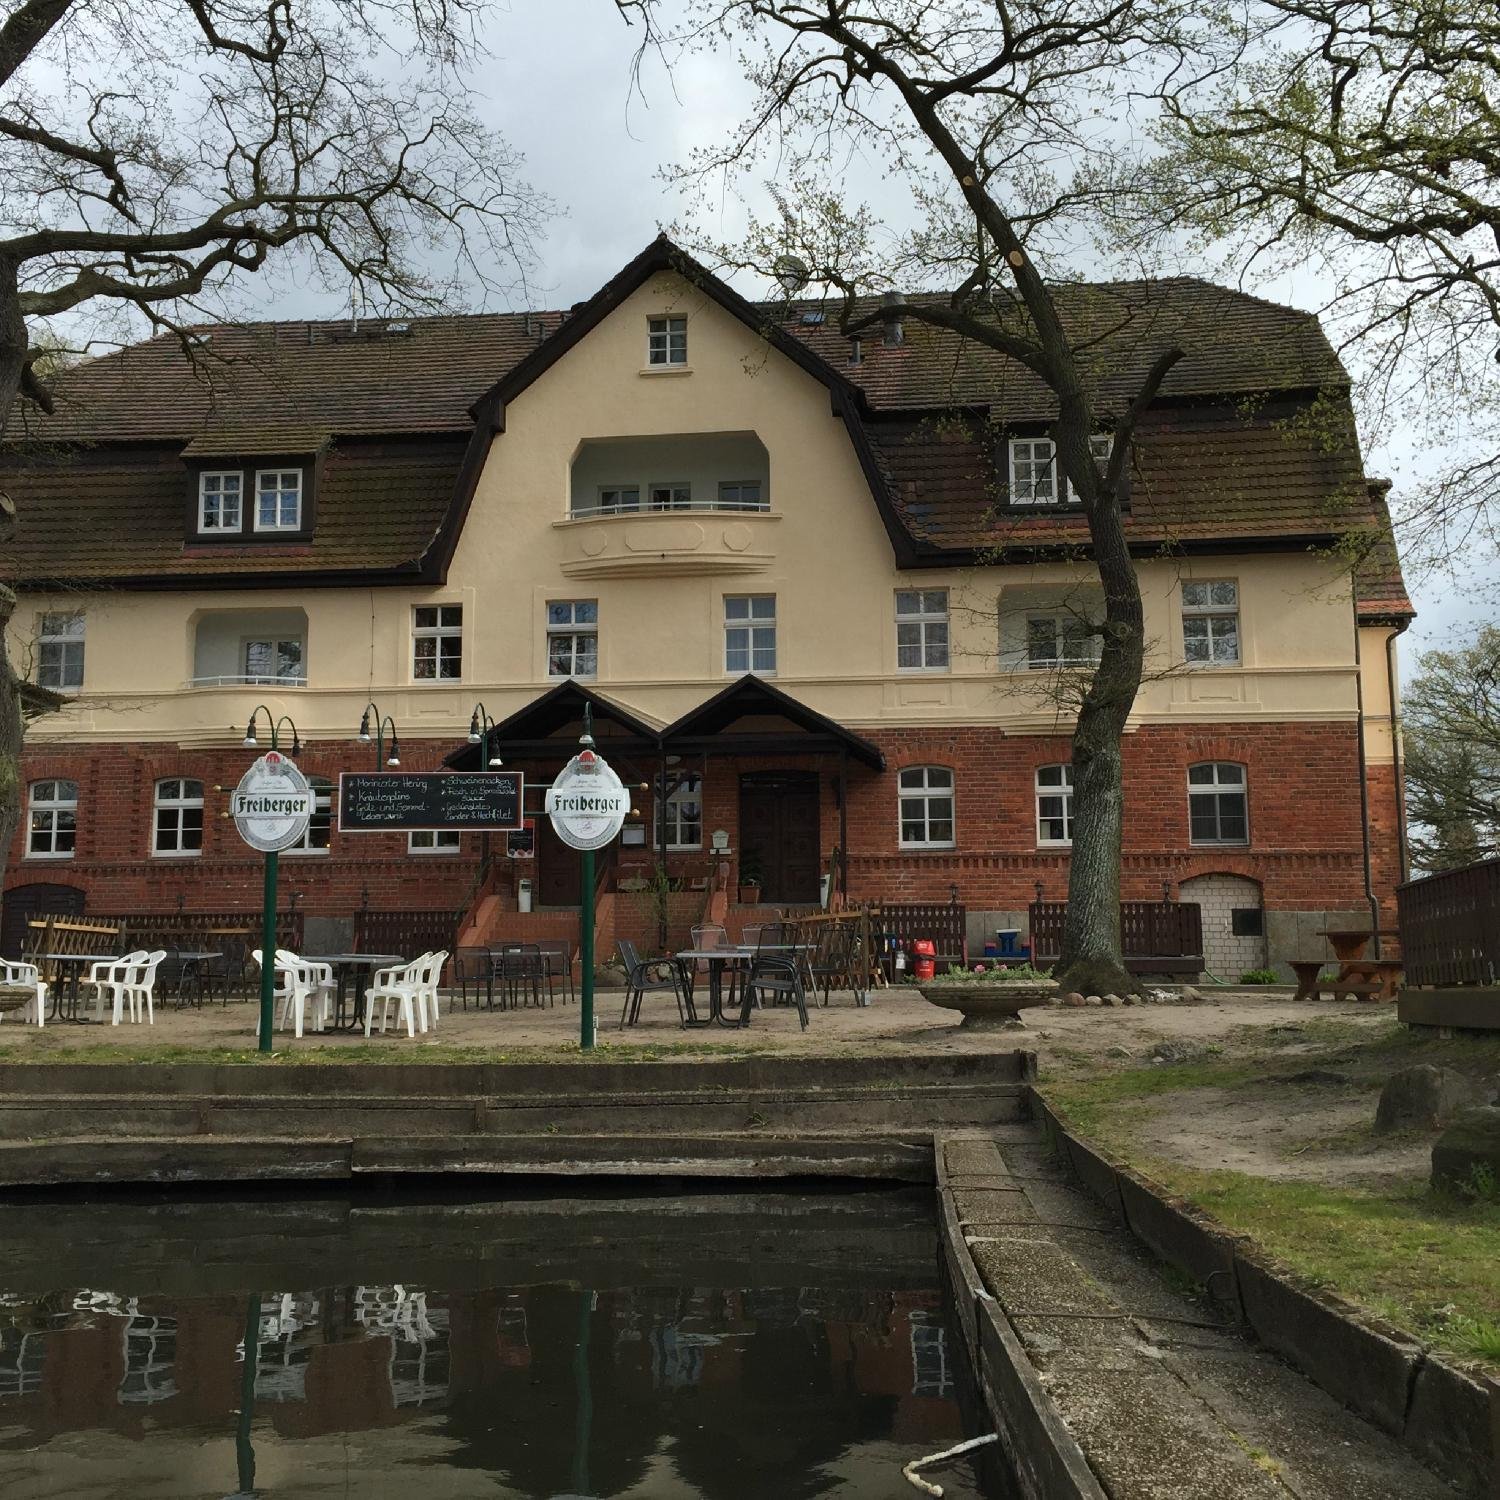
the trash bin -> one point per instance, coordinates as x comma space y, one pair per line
523, 895
924, 958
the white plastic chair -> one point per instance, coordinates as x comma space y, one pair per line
315, 981
25, 975
427, 993
405, 986
294, 984
108, 979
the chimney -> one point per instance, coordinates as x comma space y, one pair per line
895, 335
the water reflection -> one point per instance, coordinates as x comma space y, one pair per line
534, 1389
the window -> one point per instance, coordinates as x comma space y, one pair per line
219, 497
741, 494
1054, 804
319, 833
572, 638
1247, 921
274, 659
59, 659
619, 497
179, 818
1059, 641
926, 807
750, 633
437, 646
922, 630
1035, 476
1211, 623
666, 341
681, 812
671, 496
432, 841
52, 826
278, 500
1217, 805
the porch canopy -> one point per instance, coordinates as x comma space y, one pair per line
750, 717
549, 727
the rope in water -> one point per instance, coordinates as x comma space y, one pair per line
910, 1470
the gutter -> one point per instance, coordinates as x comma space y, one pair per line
1364, 784
1398, 771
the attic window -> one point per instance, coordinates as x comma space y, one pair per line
666, 342
219, 500
278, 500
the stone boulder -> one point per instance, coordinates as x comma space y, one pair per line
1466, 1155
1423, 1098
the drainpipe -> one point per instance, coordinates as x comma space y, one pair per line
1364, 786
1402, 851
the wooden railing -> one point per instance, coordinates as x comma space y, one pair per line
1156, 937
405, 932
1450, 926
944, 923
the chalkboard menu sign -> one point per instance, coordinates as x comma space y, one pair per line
382, 801
520, 843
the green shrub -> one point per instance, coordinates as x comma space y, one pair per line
1260, 976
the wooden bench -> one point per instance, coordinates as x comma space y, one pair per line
1360, 979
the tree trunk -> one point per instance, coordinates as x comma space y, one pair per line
13, 347
1091, 962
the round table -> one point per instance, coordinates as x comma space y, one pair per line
361, 966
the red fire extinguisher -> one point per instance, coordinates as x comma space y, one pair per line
923, 958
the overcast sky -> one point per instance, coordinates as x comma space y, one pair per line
558, 86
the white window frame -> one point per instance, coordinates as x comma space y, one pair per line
221, 527
275, 642
678, 495
179, 804
752, 627
574, 631
55, 628
1040, 456
1222, 621
666, 342
280, 488
434, 841
304, 848
1063, 624
1060, 791
731, 495
441, 631
909, 789
1218, 790
51, 807
618, 506
929, 625
682, 786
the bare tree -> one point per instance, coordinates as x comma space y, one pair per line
1361, 138
155, 153
984, 111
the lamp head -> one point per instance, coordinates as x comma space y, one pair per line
474, 727
394, 758
364, 727
250, 742
495, 762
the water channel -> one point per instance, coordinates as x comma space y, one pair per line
547, 1344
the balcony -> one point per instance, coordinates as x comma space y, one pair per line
258, 648
692, 503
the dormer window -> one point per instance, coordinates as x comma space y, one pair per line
666, 341
278, 500
219, 498
1037, 479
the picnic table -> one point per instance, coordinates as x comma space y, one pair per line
1358, 977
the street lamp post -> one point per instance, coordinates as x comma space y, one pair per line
481, 727
268, 897
393, 760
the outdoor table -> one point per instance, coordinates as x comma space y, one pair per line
65, 991
192, 973
717, 959
361, 966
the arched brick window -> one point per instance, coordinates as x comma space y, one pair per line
926, 795
52, 821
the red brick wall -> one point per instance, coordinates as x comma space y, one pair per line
1305, 845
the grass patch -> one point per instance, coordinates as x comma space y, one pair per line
1098, 1105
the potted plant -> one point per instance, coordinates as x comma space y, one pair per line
751, 875
989, 995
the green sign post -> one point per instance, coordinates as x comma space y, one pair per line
271, 808
587, 805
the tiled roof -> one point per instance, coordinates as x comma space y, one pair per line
1379, 587
109, 513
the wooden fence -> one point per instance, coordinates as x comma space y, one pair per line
406, 932
171, 930
1450, 926
944, 924
1156, 937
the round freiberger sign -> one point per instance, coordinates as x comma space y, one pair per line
272, 804
587, 803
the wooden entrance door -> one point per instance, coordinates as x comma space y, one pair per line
779, 825
558, 868
27, 903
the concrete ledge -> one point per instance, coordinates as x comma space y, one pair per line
1449, 1419
1471, 1007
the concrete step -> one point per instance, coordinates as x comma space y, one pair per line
119, 1158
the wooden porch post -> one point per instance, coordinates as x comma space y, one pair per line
843, 825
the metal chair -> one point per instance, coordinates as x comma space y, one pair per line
518, 966
777, 975
474, 966
639, 982
832, 964
557, 967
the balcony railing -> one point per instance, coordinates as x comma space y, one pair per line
248, 680
637, 508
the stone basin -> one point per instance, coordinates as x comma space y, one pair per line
992, 1006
